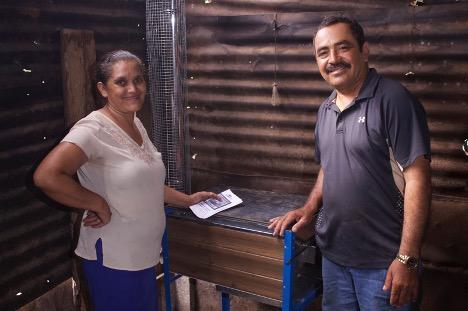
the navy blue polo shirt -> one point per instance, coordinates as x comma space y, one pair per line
362, 151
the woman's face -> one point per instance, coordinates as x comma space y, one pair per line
125, 90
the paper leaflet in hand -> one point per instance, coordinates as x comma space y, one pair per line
207, 208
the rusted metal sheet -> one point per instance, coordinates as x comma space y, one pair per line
35, 239
240, 137
445, 255
233, 62
446, 227
253, 7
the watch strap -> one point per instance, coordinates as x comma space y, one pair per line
409, 261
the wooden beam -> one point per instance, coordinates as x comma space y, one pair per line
192, 294
78, 56
78, 60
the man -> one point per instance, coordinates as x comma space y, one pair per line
372, 193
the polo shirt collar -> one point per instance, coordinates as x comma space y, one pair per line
370, 85
367, 90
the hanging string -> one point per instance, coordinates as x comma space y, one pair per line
410, 75
275, 97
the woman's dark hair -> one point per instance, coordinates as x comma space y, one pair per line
354, 26
104, 70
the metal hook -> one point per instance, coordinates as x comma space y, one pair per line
415, 3
465, 147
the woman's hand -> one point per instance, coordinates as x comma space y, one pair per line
180, 199
97, 219
202, 196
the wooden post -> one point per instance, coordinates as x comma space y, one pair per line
192, 294
78, 55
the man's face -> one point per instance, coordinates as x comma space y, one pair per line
339, 59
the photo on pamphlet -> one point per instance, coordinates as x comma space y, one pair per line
215, 204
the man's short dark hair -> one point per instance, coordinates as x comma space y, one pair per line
354, 26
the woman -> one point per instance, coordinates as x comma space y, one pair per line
121, 187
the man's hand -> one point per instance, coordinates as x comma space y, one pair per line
403, 284
279, 224
302, 216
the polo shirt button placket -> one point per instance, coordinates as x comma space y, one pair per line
339, 124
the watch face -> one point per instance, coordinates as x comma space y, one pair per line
412, 263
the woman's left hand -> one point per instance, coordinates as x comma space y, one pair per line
92, 220
202, 196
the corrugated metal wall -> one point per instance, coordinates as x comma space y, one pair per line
34, 238
239, 137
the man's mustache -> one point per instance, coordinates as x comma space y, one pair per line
340, 65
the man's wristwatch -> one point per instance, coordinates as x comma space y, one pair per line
411, 263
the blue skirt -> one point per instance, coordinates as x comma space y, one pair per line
120, 290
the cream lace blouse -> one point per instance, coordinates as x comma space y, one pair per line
131, 179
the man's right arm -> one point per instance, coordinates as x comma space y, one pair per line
301, 216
